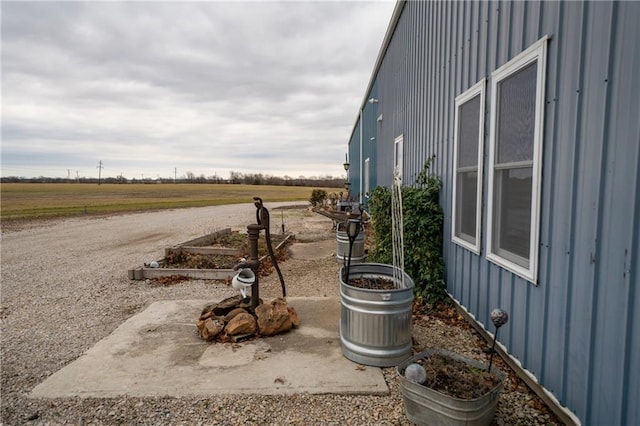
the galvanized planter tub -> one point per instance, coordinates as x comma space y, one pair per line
375, 325
357, 251
425, 406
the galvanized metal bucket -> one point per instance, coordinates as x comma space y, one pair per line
375, 325
357, 251
425, 406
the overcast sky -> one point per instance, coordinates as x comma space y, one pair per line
201, 87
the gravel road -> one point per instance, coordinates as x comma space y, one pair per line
64, 287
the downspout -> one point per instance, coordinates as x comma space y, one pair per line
361, 126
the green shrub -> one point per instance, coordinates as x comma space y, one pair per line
380, 212
318, 196
422, 230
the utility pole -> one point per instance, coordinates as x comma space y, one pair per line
99, 167
175, 174
77, 176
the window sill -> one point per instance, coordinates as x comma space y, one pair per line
527, 274
475, 248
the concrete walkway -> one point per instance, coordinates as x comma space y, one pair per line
158, 353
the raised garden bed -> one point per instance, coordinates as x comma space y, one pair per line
210, 257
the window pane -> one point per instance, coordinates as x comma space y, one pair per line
513, 214
466, 203
468, 128
516, 115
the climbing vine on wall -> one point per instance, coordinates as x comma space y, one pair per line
422, 228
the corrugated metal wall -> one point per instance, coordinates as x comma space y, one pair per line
359, 152
578, 331
354, 160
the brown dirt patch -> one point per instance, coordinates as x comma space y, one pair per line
456, 378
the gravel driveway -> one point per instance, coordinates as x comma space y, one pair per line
64, 287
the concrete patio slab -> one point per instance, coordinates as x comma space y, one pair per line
158, 353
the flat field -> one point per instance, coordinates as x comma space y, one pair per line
20, 201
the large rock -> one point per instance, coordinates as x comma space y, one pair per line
242, 323
295, 322
234, 313
225, 306
209, 328
273, 317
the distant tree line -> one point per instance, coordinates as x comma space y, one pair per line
235, 178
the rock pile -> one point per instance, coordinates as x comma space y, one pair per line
232, 319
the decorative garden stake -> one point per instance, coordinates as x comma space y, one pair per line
498, 318
415, 373
353, 229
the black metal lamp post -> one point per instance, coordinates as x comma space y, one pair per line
347, 184
353, 229
346, 163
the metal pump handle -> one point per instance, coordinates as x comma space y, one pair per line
262, 218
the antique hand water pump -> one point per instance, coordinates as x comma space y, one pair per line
262, 219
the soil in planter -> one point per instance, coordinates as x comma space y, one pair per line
233, 240
455, 378
200, 261
372, 283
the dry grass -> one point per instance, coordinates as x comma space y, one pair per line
22, 201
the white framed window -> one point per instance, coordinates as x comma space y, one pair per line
366, 178
467, 176
398, 154
515, 154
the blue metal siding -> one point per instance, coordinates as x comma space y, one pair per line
370, 130
359, 150
577, 331
616, 124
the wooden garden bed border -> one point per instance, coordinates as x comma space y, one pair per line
194, 246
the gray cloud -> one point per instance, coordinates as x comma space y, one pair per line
270, 87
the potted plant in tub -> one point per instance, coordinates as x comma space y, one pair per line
444, 388
375, 318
